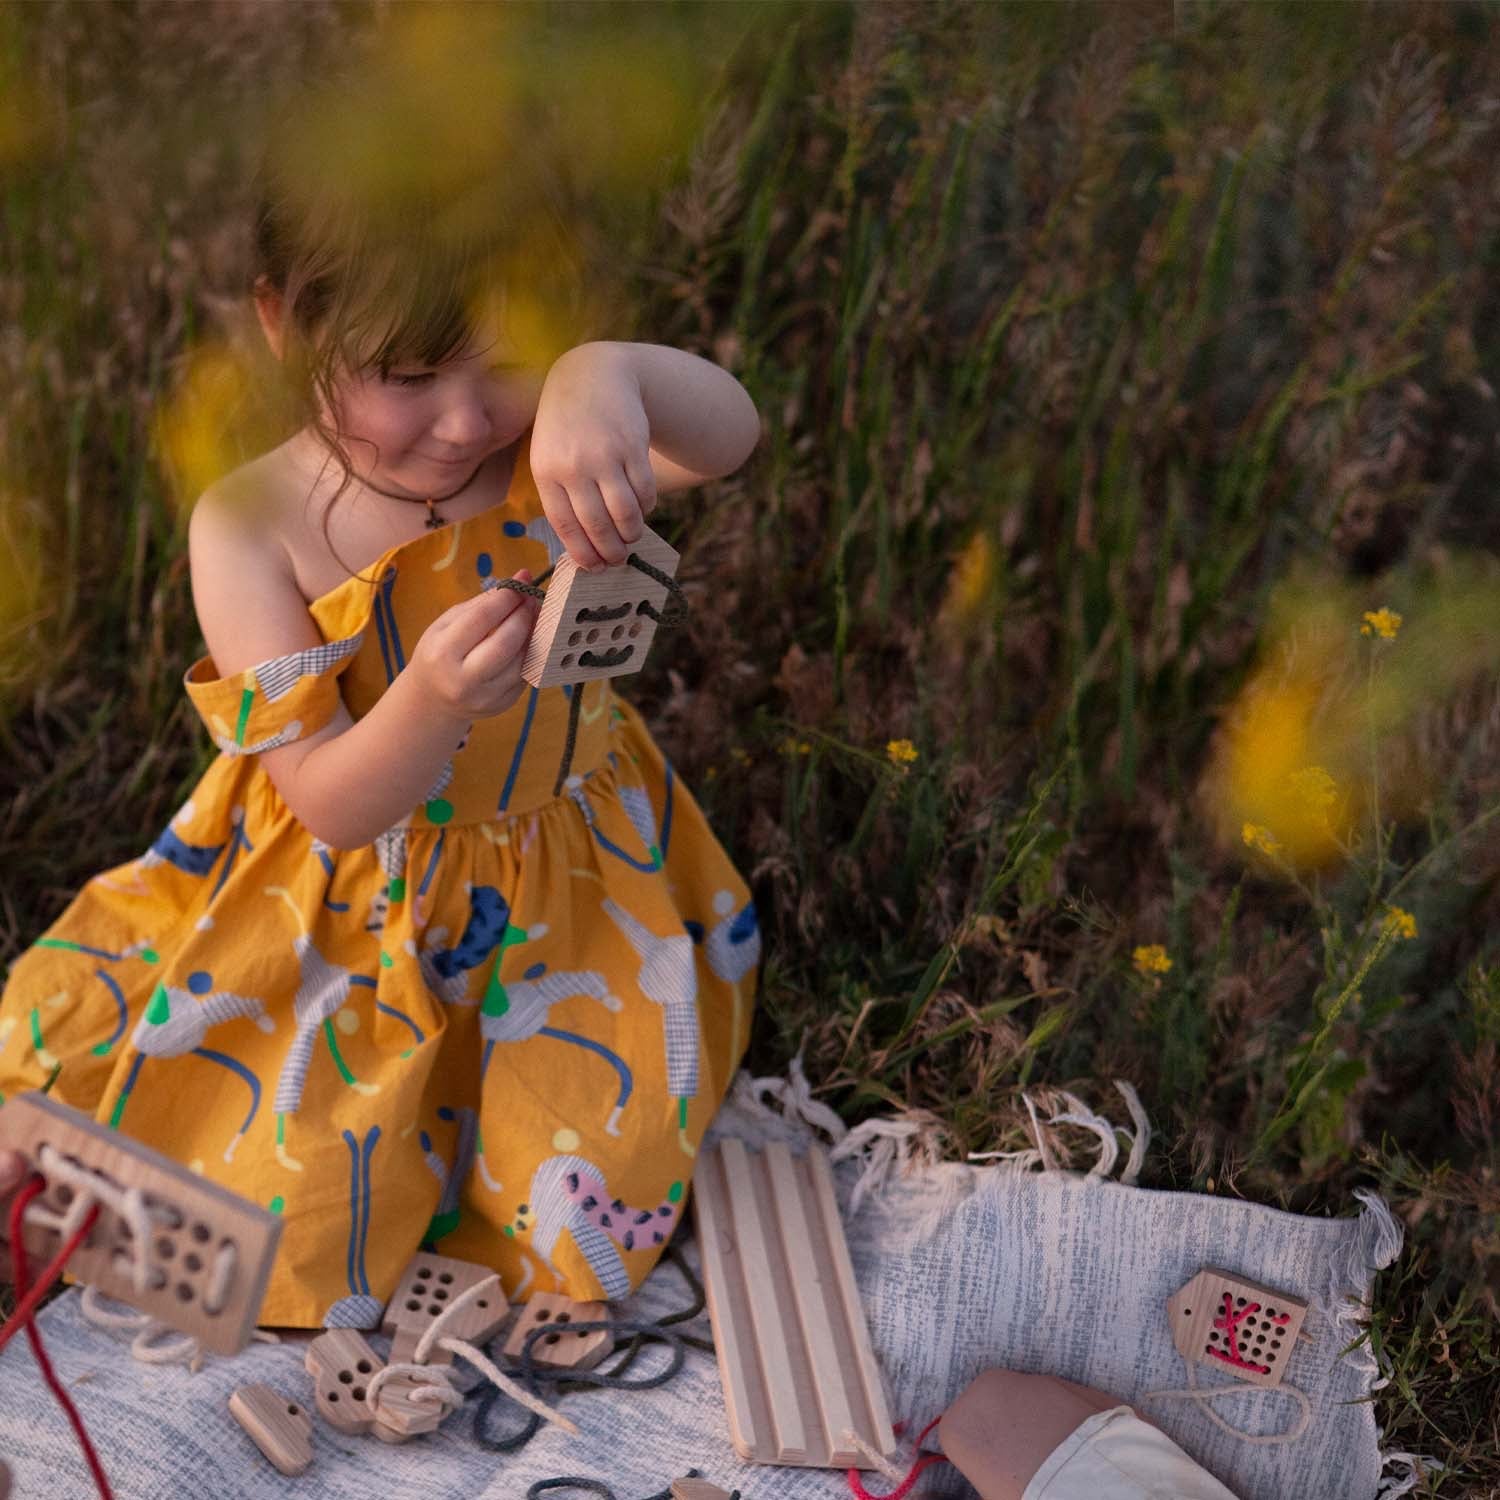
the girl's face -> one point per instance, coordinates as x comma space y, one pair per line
424, 429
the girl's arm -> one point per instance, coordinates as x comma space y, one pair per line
346, 782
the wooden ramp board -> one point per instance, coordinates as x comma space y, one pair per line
793, 1347
211, 1250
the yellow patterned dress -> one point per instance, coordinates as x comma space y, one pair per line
499, 1030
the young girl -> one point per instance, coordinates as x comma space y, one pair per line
379, 974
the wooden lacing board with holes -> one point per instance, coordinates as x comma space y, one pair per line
1228, 1323
210, 1250
565, 1348
593, 625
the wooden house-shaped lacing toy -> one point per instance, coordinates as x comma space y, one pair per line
1231, 1324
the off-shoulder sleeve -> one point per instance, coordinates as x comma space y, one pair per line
273, 703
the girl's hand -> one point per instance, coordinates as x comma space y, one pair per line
469, 659
591, 456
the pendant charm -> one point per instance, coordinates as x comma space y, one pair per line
433, 519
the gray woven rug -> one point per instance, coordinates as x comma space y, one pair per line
960, 1268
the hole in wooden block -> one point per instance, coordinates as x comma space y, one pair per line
440, 1293
64, 1195
483, 1304
636, 628
569, 659
363, 1367
543, 1315
563, 1317
184, 1292
550, 1339
435, 1309
576, 636
291, 1411
359, 1393
423, 1273
346, 1377
166, 1247
192, 1262
592, 636
202, 1233
413, 1305
617, 632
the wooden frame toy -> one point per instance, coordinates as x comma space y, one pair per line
789, 1330
1232, 1324
203, 1266
595, 625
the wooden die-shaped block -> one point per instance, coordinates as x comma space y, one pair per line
278, 1427
592, 624
398, 1416
565, 1348
1232, 1324
430, 1284
342, 1364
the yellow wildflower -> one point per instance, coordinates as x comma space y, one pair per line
1404, 924
1259, 837
900, 752
791, 745
1382, 622
1314, 786
1151, 958
710, 772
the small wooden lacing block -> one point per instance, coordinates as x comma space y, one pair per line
1224, 1321
793, 1347
278, 1427
697, 1489
427, 1287
565, 1348
342, 1364
593, 625
210, 1251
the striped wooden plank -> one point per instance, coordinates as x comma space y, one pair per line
793, 1348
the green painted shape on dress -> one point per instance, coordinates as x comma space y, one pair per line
149, 954
117, 1111
439, 810
386, 961
281, 1130
442, 1224
407, 1053
100, 1049
510, 1229
276, 1204
160, 1009
656, 856
36, 1029
682, 1111
57, 943
513, 936
396, 890
247, 697
674, 1193
333, 1047
496, 1001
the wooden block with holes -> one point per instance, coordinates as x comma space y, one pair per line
342, 1364
398, 1416
429, 1284
789, 1331
1228, 1323
278, 1427
591, 624
697, 1489
565, 1348
210, 1251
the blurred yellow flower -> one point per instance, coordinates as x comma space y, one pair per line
1313, 786
740, 754
1402, 922
1151, 958
710, 773
900, 752
791, 745
1382, 622
971, 582
1260, 838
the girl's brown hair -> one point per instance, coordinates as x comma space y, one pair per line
370, 277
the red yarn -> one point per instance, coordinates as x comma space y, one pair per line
25, 1313
924, 1461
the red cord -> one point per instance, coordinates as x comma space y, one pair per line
35, 1185
924, 1461
44, 1283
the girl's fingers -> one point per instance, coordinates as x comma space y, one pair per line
504, 645
567, 510
475, 618
624, 507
